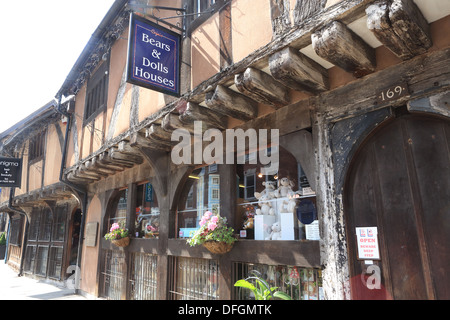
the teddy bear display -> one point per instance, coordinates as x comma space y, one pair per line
264, 199
275, 233
284, 190
249, 223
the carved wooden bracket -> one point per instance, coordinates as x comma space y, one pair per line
342, 47
400, 26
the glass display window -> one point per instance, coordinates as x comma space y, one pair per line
298, 282
201, 193
267, 203
120, 214
147, 212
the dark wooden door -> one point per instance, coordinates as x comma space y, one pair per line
399, 182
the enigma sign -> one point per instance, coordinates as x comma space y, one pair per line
10, 172
153, 56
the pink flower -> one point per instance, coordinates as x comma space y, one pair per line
214, 219
202, 222
114, 226
212, 226
207, 214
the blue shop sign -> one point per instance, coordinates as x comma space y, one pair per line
153, 56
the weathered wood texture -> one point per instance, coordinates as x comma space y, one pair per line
422, 75
297, 71
194, 112
342, 47
305, 9
232, 104
400, 26
280, 15
261, 87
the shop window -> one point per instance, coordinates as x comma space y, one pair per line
55, 262
193, 279
45, 225
267, 207
299, 283
34, 225
147, 212
30, 257
59, 223
15, 234
41, 260
120, 214
201, 193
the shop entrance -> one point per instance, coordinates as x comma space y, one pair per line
399, 182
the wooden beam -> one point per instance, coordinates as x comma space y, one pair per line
124, 158
172, 122
297, 71
342, 47
159, 138
231, 104
105, 160
94, 165
140, 141
400, 26
261, 87
194, 112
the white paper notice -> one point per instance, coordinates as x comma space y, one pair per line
367, 239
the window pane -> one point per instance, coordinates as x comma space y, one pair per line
267, 207
147, 212
299, 283
120, 214
41, 260
201, 192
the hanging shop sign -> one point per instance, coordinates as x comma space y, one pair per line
153, 56
367, 239
10, 172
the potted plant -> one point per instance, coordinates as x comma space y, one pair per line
261, 289
2, 245
213, 234
118, 235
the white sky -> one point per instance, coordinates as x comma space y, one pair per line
40, 42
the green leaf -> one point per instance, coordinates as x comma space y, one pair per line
245, 284
281, 295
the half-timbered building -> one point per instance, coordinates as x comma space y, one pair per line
357, 92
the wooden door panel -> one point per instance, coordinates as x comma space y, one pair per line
399, 181
429, 143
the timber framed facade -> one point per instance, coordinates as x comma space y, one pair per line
358, 91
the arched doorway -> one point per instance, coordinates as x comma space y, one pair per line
399, 182
73, 239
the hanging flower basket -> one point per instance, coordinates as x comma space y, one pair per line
213, 234
218, 247
124, 242
118, 235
